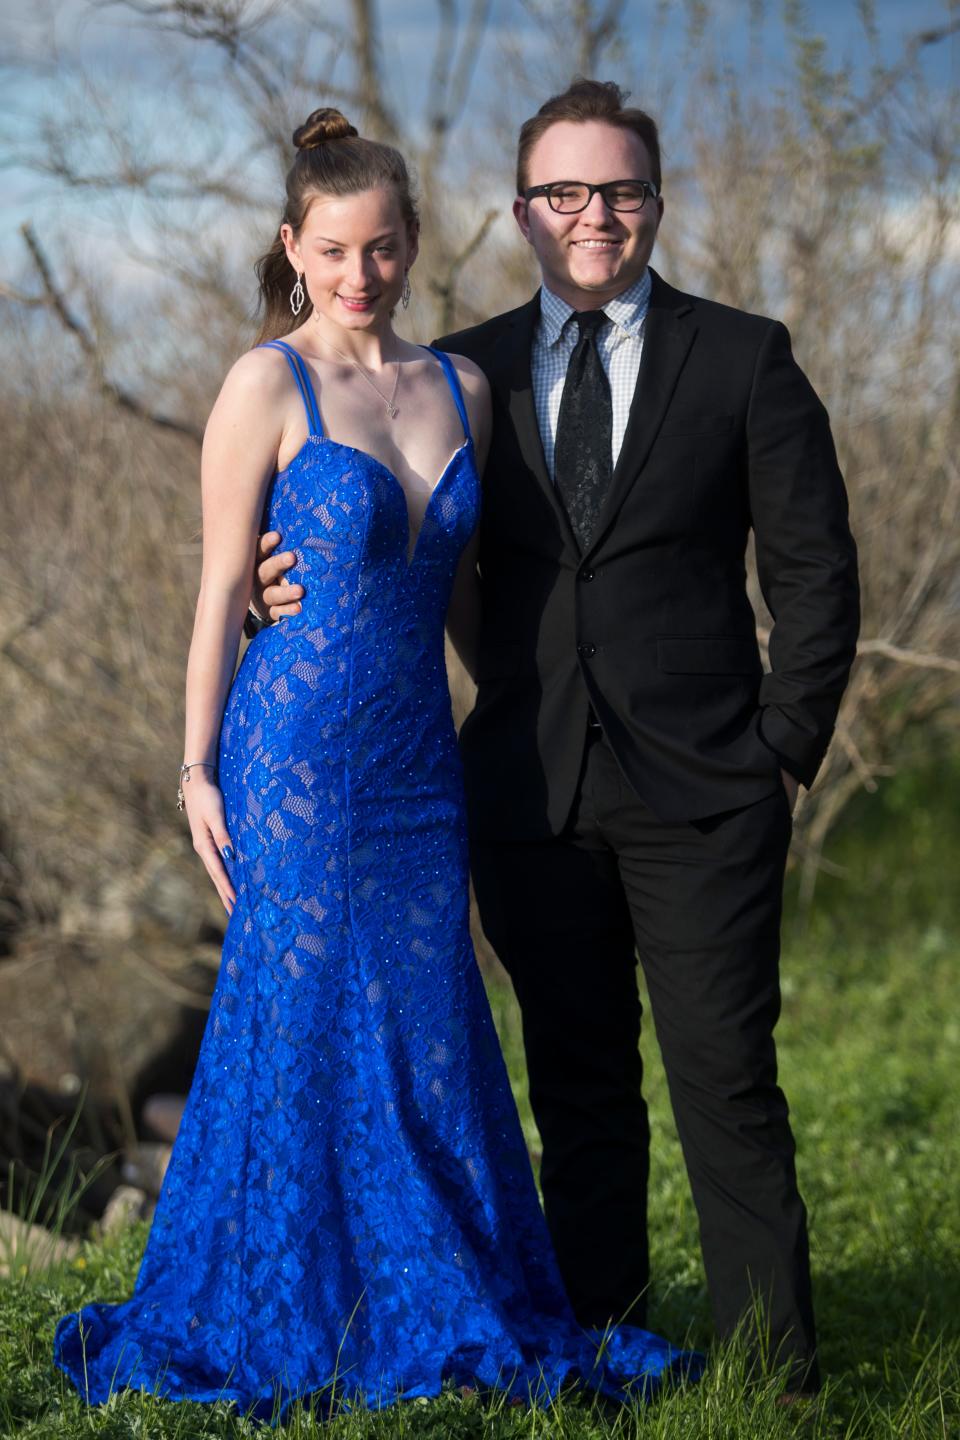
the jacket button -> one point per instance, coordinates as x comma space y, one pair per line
586, 652
586, 574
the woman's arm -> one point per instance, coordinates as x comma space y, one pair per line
240, 449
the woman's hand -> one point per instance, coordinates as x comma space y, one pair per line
204, 806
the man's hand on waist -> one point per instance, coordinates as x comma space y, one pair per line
791, 786
273, 595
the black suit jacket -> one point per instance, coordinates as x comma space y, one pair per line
652, 623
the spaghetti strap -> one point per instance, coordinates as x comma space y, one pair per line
453, 380
304, 384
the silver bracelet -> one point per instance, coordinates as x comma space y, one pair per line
185, 776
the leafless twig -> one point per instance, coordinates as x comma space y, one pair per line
88, 345
446, 288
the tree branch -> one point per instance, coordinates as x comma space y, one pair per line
594, 31
451, 75
7, 292
897, 653
909, 657
381, 123
55, 300
446, 288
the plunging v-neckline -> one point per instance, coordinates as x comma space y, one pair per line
410, 554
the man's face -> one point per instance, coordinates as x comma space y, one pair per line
589, 257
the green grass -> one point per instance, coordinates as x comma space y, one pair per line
870, 1057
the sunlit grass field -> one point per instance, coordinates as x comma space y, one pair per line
870, 1060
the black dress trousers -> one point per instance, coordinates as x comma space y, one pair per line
701, 903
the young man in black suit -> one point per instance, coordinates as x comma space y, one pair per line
631, 771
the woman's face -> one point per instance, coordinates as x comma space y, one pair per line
353, 252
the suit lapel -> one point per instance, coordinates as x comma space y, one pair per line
669, 332
511, 376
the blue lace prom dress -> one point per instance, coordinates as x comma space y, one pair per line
349, 1206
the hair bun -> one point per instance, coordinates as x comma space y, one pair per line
321, 126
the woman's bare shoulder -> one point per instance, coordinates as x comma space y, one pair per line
257, 397
471, 377
259, 374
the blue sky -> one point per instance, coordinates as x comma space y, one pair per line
63, 39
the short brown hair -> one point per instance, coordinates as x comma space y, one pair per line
588, 100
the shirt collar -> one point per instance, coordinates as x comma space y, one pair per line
627, 311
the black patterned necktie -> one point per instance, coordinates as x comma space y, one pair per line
583, 464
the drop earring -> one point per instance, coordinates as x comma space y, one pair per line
405, 291
298, 296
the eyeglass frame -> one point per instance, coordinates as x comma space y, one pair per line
649, 187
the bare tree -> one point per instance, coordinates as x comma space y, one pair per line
829, 202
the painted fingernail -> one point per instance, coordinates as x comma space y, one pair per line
228, 852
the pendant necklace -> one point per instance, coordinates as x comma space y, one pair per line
391, 407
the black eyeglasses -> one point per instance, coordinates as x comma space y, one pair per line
567, 197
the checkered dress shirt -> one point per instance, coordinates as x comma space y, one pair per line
620, 347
